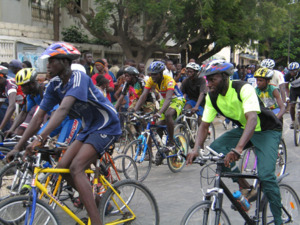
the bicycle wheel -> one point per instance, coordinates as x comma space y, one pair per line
182, 129
291, 203
175, 161
211, 136
123, 167
281, 159
137, 196
201, 213
124, 140
135, 150
296, 132
248, 161
13, 211
10, 179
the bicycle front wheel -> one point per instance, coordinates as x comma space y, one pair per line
141, 205
281, 159
290, 202
135, 150
175, 161
202, 214
13, 211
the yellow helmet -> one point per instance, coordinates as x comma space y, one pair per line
264, 73
25, 75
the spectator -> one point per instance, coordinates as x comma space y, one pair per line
115, 68
89, 66
168, 68
102, 84
13, 68
26, 64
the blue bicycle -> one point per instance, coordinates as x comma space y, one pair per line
141, 148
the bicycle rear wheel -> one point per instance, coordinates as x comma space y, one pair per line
124, 140
135, 150
139, 199
177, 162
281, 159
13, 211
290, 202
202, 214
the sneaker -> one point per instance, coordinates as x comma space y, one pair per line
292, 126
158, 159
225, 125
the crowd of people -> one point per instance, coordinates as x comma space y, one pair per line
91, 93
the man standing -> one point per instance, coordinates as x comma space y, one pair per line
89, 66
168, 69
238, 101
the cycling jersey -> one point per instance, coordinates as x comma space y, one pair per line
267, 96
277, 78
97, 113
250, 79
10, 87
293, 80
168, 83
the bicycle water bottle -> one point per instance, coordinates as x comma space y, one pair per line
164, 139
157, 137
46, 164
242, 200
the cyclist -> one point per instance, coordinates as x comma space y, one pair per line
134, 81
8, 91
293, 78
170, 106
238, 101
75, 93
194, 90
250, 75
277, 79
268, 93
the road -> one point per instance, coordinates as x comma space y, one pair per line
176, 192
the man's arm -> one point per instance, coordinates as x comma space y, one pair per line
142, 99
167, 101
18, 120
282, 92
10, 110
279, 101
200, 98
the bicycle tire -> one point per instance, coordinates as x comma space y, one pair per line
291, 203
177, 163
10, 179
124, 166
197, 215
13, 211
137, 196
281, 159
124, 140
296, 132
144, 167
181, 128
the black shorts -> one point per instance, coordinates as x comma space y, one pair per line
294, 94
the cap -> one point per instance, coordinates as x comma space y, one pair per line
15, 63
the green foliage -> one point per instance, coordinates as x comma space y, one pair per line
74, 34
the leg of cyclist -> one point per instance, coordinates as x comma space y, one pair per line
266, 145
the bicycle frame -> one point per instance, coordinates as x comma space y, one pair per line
37, 185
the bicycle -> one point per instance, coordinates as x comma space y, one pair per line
210, 210
127, 201
297, 124
187, 124
248, 160
141, 152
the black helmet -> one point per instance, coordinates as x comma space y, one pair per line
131, 71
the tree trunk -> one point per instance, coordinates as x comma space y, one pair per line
56, 20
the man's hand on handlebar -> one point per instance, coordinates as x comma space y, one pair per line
191, 157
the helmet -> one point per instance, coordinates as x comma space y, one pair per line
269, 63
79, 67
25, 75
131, 70
156, 67
61, 50
264, 73
217, 66
193, 66
3, 71
293, 66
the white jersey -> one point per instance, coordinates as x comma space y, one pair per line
277, 79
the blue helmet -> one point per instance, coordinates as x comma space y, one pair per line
156, 67
293, 66
217, 66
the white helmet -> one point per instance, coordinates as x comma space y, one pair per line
76, 66
193, 66
268, 63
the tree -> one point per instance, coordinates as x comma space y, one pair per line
142, 27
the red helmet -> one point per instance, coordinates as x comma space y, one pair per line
61, 50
